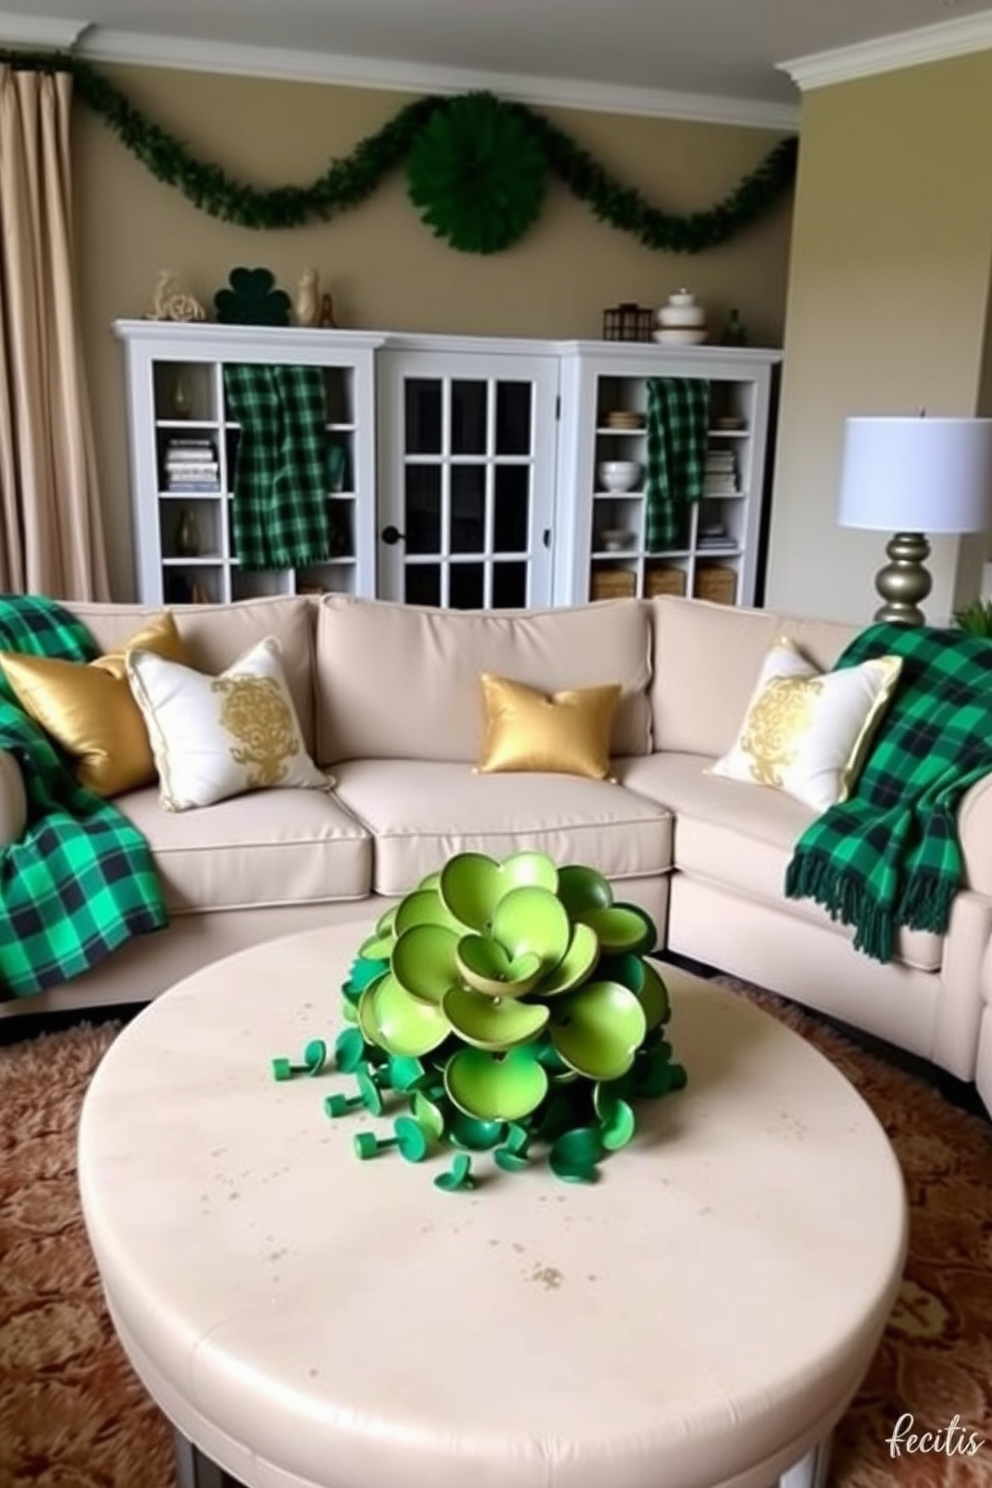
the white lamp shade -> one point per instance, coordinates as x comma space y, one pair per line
917, 474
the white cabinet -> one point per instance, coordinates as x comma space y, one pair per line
184, 439
464, 472
603, 533
467, 458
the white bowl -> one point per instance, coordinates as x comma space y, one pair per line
619, 475
615, 539
681, 336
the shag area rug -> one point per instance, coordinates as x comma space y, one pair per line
73, 1415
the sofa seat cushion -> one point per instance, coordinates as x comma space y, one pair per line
422, 811
743, 836
262, 849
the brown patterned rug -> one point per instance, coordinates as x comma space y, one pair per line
72, 1414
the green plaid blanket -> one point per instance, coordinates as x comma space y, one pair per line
280, 514
80, 881
675, 470
889, 856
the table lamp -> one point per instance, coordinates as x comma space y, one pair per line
913, 476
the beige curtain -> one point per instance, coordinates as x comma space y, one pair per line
51, 534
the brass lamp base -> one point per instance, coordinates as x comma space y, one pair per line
904, 581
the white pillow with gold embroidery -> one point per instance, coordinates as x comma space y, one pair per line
215, 737
807, 732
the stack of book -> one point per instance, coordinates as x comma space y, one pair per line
721, 473
191, 465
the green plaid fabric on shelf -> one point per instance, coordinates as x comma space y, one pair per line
81, 880
677, 432
280, 513
889, 857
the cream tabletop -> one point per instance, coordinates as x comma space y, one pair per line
701, 1315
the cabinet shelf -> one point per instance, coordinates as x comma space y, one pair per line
337, 562
186, 426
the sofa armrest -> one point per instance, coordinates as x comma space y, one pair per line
975, 835
13, 800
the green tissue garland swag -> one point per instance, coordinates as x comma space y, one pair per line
505, 1006
477, 170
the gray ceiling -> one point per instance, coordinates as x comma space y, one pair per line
723, 48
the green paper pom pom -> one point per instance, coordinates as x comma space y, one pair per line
478, 174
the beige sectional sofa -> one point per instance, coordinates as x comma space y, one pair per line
388, 698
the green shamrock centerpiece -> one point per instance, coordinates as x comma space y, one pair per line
507, 1005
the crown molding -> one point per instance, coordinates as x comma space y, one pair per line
890, 53
366, 72
30, 31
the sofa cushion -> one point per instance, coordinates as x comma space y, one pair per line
707, 658
808, 732
423, 811
215, 635
215, 737
743, 838
13, 800
402, 681
567, 733
254, 851
88, 708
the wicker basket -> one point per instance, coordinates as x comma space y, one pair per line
716, 582
612, 583
662, 578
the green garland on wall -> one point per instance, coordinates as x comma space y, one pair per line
476, 170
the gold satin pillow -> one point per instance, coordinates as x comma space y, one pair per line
567, 733
89, 710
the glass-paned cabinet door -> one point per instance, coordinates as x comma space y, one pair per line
467, 450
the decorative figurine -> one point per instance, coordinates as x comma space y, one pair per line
172, 302
251, 297
179, 400
735, 332
327, 313
187, 534
307, 299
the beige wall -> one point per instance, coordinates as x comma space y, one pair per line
886, 312
385, 269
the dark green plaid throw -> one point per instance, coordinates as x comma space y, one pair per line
676, 435
280, 514
81, 880
889, 857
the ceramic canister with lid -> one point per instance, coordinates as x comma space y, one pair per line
682, 311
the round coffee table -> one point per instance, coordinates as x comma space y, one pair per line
700, 1316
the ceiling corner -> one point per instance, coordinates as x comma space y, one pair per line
934, 43
34, 31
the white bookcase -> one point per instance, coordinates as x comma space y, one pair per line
602, 532
470, 466
184, 542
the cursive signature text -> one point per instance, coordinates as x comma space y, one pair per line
952, 1440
